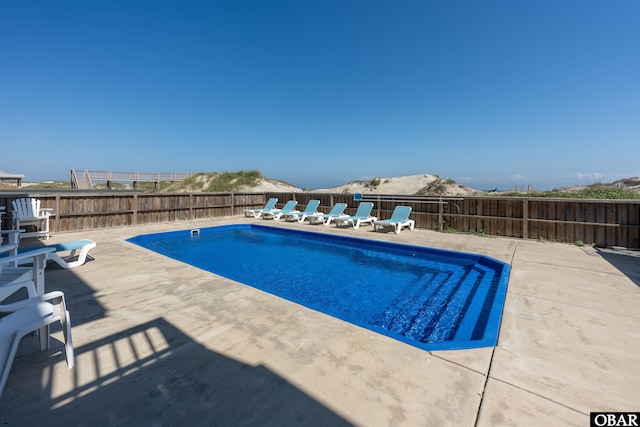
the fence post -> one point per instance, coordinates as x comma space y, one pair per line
135, 209
56, 223
525, 217
440, 214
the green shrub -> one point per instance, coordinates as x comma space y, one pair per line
233, 181
191, 181
594, 191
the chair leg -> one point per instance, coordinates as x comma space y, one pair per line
44, 337
68, 341
7, 354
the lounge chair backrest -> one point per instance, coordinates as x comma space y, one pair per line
401, 213
312, 206
338, 209
289, 206
271, 203
364, 209
26, 208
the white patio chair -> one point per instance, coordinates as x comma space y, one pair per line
399, 218
362, 216
289, 207
311, 209
77, 252
337, 211
27, 211
268, 207
10, 272
27, 316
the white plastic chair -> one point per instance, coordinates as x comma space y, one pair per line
311, 209
11, 273
362, 216
27, 211
337, 211
78, 251
30, 315
399, 218
257, 213
289, 207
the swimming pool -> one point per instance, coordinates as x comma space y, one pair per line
429, 298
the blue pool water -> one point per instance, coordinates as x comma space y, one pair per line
429, 298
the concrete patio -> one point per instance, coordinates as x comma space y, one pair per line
161, 343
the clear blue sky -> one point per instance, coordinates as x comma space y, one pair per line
320, 93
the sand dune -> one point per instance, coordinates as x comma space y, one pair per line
424, 184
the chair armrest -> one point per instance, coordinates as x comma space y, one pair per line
8, 248
11, 231
14, 306
13, 236
29, 254
6, 290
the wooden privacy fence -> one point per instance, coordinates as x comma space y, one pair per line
601, 222
88, 211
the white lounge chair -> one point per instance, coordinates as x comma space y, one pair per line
336, 211
362, 216
78, 252
27, 316
288, 207
310, 209
27, 211
256, 213
399, 218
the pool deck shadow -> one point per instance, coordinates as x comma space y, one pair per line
159, 342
